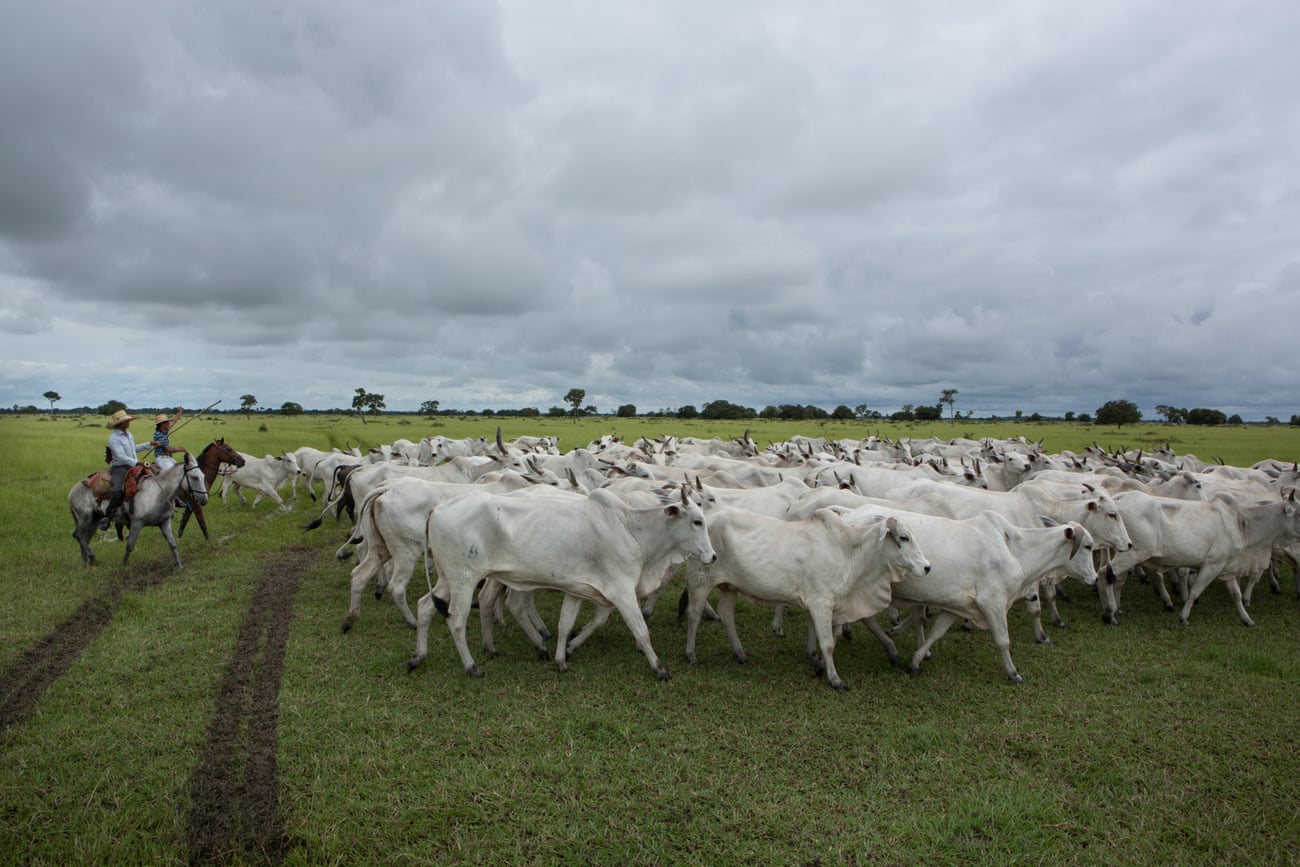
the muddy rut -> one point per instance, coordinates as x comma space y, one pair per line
235, 813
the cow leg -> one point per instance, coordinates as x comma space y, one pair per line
1234, 590
941, 624
1034, 607
361, 575
997, 620
597, 620
692, 603
778, 621
821, 636
1203, 579
458, 608
400, 569
1049, 591
727, 611
624, 599
568, 616
1109, 589
529, 602
884, 639
488, 596
518, 605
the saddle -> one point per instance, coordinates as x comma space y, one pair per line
101, 483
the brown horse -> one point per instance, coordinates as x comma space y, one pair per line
214, 454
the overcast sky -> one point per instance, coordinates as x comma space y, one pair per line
1042, 205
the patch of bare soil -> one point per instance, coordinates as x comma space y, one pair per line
24, 682
235, 812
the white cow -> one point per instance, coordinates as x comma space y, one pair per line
1219, 538
980, 567
264, 475
391, 521
840, 573
595, 548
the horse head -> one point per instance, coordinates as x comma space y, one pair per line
194, 485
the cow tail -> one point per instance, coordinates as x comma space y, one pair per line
440, 604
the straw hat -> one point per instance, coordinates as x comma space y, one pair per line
120, 417
161, 417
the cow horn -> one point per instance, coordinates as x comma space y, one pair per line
684, 500
1078, 540
500, 445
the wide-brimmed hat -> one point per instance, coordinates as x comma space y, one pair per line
162, 417
119, 417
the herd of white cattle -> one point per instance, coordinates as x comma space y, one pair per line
943, 532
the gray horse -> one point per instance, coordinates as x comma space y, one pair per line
152, 506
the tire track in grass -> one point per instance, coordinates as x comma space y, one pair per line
235, 811
25, 681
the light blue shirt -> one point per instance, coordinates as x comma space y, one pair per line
121, 445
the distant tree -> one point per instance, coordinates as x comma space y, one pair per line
557, 412
843, 413
904, 414
429, 407
574, 399
1271, 419
1203, 416
716, 409
246, 403
290, 408
860, 411
688, 411
365, 400
1295, 421
768, 411
949, 396
627, 410
111, 407
1069, 415
1035, 417
590, 409
1172, 414
929, 413
53, 397
1235, 419
1085, 417
1118, 413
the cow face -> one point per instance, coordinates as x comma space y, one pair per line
686, 524
1104, 521
901, 549
1080, 542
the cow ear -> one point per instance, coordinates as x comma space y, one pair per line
672, 511
1048, 521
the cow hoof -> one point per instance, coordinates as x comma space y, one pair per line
663, 674
779, 633
742, 658
913, 669
413, 663
544, 655
691, 658
347, 625
490, 654
1015, 678
474, 671
1060, 624
1062, 595
1044, 640
1248, 623
562, 667
1169, 606
379, 593
840, 686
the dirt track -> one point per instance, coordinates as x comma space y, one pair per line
234, 791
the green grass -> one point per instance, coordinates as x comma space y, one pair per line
1147, 743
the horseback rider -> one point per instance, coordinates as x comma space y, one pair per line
162, 447
122, 451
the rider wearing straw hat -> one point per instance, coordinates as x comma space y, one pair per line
122, 452
162, 447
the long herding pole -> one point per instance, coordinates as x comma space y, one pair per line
191, 418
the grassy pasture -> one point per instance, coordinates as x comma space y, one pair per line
1146, 743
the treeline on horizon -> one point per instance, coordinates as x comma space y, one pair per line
1115, 412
